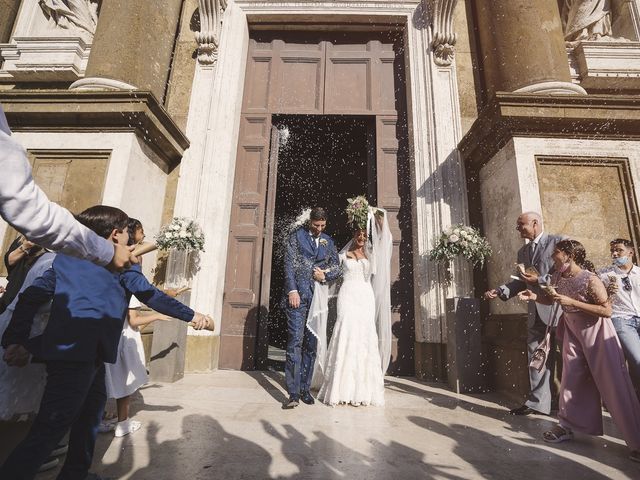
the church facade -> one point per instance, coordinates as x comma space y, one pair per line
239, 113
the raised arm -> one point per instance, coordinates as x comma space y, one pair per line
134, 281
26, 207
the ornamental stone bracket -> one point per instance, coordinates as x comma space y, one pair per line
444, 39
208, 37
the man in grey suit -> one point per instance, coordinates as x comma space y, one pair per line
537, 254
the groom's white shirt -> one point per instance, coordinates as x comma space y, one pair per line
24, 205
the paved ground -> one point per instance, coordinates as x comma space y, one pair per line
229, 425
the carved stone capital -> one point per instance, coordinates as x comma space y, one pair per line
444, 38
208, 37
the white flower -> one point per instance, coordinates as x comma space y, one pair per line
453, 238
474, 240
174, 227
183, 234
456, 231
463, 243
169, 235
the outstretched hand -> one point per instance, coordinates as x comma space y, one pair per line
527, 296
201, 321
123, 257
530, 278
490, 294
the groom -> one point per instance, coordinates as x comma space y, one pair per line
310, 255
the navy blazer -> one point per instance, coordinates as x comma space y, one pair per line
302, 256
88, 310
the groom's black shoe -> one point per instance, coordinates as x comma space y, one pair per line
307, 398
291, 403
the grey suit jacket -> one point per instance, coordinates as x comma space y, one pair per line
544, 264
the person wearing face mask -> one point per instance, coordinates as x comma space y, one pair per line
626, 303
537, 254
594, 369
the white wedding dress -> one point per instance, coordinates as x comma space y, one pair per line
351, 368
353, 373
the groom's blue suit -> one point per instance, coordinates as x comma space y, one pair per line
302, 255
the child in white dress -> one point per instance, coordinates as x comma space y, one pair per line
129, 373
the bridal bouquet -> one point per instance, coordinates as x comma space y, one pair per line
181, 234
357, 212
461, 240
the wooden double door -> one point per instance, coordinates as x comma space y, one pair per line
336, 88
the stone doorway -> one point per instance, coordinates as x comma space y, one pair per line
322, 161
315, 74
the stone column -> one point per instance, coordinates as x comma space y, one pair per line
9, 9
522, 47
137, 54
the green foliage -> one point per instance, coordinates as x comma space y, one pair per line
461, 240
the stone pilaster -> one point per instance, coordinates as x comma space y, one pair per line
522, 47
137, 54
207, 171
9, 9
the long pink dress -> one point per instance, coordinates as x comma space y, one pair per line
594, 368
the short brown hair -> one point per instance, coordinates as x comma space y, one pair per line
103, 219
318, 213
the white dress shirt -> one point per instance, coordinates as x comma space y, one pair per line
626, 304
25, 206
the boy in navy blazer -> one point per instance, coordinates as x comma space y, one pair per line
87, 314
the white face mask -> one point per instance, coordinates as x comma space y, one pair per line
620, 261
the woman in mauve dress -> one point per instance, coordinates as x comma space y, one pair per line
593, 362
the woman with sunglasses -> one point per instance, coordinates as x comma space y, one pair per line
626, 303
593, 367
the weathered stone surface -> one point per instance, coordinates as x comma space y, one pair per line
139, 51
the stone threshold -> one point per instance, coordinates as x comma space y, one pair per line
511, 115
112, 111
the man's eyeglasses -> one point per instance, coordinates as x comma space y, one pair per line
626, 283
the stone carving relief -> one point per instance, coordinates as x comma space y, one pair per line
208, 35
590, 20
78, 16
444, 38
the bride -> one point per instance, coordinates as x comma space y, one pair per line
351, 370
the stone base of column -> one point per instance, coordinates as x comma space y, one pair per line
553, 88
465, 372
100, 84
430, 359
168, 351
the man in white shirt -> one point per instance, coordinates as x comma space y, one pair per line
626, 302
26, 207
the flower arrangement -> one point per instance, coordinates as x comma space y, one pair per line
181, 234
461, 240
357, 212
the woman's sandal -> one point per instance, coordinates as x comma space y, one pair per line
557, 434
